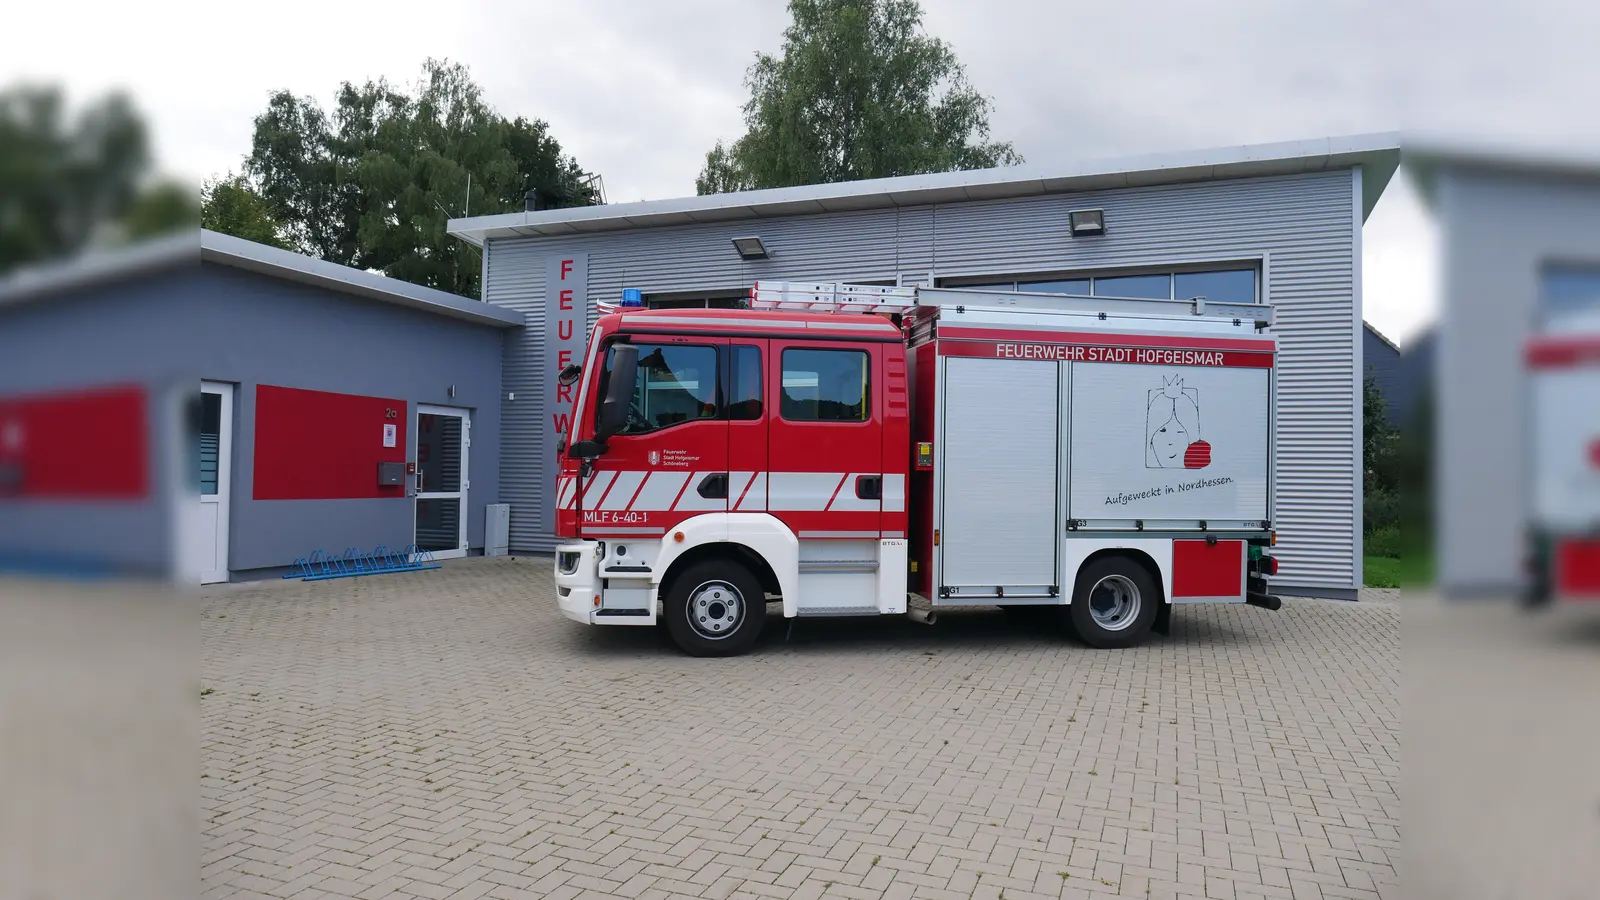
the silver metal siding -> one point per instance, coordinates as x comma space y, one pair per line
1298, 228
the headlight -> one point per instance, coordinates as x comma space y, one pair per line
567, 562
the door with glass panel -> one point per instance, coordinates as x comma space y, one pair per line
443, 436
214, 438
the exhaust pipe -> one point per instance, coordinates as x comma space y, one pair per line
925, 616
1265, 601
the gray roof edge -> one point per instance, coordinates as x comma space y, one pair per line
239, 253
1379, 152
96, 267
201, 245
1380, 335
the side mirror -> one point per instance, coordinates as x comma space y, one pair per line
587, 450
619, 391
570, 375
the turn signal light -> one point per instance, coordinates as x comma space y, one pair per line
677, 537
596, 599
936, 537
1274, 540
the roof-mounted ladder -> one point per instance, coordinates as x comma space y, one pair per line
829, 297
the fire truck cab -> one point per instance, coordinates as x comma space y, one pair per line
839, 448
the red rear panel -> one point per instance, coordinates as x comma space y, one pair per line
1578, 569
1207, 570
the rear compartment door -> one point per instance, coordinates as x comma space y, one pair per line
1001, 446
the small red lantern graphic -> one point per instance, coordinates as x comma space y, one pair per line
1197, 456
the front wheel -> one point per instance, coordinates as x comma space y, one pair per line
715, 608
1113, 604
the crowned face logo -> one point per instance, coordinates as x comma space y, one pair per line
1172, 427
655, 457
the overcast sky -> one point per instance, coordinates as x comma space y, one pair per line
638, 90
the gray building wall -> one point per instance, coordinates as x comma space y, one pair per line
1498, 230
1303, 230
212, 322
1382, 361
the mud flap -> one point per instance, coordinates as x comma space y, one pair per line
1163, 623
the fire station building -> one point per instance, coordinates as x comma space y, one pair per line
1278, 224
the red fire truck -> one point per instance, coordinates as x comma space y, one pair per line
839, 448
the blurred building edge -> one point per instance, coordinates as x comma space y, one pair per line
83, 488
1519, 227
116, 458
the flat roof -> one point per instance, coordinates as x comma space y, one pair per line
201, 245
1377, 154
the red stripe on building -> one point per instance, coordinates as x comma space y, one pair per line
1563, 352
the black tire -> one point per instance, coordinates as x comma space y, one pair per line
715, 608
1112, 583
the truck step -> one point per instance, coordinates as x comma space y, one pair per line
837, 611
838, 565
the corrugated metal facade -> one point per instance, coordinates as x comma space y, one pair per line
1302, 230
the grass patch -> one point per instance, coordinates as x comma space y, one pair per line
1381, 571
1411, 566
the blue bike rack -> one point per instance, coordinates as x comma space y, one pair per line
321, 566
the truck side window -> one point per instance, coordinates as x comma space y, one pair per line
676, 383
824, 385
744, 390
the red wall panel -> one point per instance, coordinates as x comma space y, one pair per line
91, 444
1578, 569
1206, 570
315, 445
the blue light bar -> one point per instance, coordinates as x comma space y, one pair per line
632, 297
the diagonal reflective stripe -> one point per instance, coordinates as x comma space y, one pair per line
659, 490
622, 491
801, 491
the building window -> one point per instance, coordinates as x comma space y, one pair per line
699, 300
676, 383
824, 385
1143, 287
1569, 294
744, 383
1231, 285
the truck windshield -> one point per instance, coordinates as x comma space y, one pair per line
676, 383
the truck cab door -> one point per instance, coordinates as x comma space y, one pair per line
670, 461
825, 444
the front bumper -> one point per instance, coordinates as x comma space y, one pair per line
577, 573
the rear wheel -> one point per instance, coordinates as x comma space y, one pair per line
1114, 603
715, 608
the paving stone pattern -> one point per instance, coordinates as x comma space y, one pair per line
447, 734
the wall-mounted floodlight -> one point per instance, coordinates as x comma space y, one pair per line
750, 248
1087, 221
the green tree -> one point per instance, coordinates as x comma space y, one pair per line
66, 181
374, 183
1379, 461
231, 205
162, 208
857, 91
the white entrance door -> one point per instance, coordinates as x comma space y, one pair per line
216, 480
443, 436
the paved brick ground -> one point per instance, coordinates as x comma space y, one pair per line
447, 734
